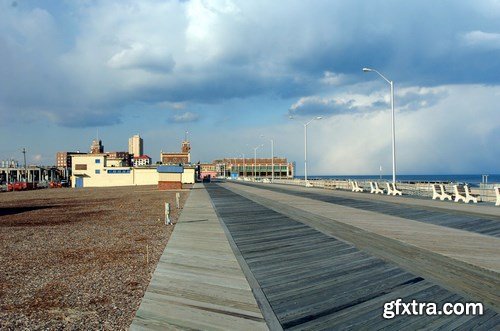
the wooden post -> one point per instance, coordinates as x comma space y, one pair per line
177, 200
167, 214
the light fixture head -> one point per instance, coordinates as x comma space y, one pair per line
367, 69
319, 117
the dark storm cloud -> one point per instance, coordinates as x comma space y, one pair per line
126, 52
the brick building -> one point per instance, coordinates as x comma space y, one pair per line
183, 157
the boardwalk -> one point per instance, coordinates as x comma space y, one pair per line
321, 260
198, 284
316, 281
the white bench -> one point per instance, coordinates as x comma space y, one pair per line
355, 187
374, 188
497, 193
469, 196
463, 193
392, 189
444, 194
436, 192
459, 193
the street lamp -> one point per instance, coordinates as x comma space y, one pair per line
244, 166
391, 83
272, 158
255, 160
305, 145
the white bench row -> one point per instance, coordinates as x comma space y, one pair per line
375, 188
460, 193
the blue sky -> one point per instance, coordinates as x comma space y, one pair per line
231, 71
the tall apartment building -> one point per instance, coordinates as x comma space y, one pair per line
135, 145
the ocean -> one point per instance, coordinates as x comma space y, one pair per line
473, 180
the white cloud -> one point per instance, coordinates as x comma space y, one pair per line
331, 78
456, 134
482, 39
407, 98
184, 117
140, 56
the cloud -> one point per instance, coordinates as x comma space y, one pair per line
482, 39
315, 105
84, 118
185, 117
140, 56
456, 134
331, 78
406, 99
113, 54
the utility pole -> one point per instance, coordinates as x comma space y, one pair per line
25, 169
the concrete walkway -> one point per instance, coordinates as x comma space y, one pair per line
198, 283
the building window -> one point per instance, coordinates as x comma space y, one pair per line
98, 171
80, 167
97, 161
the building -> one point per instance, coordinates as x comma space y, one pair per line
208, 170
11, 172
96, 147
119, 159
135, 145
94, 170
183, 157
249, 167
141, 161
63, 159
175, 177
113, 159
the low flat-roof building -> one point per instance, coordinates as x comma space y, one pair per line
260, 167
97, 170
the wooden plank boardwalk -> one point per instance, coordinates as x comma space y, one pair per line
312, 280
198, 283
464, 261
488, 225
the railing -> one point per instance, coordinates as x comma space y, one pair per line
420, 189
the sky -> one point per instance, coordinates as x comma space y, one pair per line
232, 73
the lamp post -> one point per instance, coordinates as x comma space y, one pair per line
272, 157
305, 145
255, 160
391, 83
244, 167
